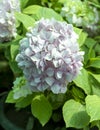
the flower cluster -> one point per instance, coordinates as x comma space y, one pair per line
49, 56
7, 19
80, 14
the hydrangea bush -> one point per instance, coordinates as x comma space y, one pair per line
7, 19
50, 56
80, 13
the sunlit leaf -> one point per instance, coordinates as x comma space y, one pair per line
10, 98
94, 62
14, 49
82, 36
75, 115
40, 12
96, 76
82, 81
41, 109
93, 107
26, 20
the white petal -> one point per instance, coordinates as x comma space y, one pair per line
55, 53
59, 74
56, 63
50, 72
49, 80
35, 57
67, 60
56, 88
28, 52
48, 57
37, 80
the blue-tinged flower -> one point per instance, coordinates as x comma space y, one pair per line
49, 56
20, 88
7, 19
81, 14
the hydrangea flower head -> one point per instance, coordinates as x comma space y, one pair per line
80, 14
49, 56
7, 19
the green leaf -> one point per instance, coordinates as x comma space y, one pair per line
95, 88
33, 9
90, 42
96, 76
78, 93
97, 49
7, 53
24, 102
62, 1
56, 100
75, 115
41, 109
91, 53
10, 98
95, 85
94, 62
42, 12
82, 81
96, 5
14, 67
77, 30
93, 107
82, 36
14, 48
26, 20
86, 50
21, 102
33, 2
4, 45
23, 3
